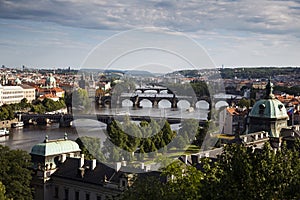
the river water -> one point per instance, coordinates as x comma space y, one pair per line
25, 138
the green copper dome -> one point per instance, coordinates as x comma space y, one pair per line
55, 147
269, 107
50, 80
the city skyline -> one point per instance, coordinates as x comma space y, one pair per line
62, 34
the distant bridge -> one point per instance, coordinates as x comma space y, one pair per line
154, 94
66, 119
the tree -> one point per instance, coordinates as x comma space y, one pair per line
239, 173
90, 147
3, 192
81, 101
244, 103
15, 173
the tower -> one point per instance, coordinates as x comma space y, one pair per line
268, 114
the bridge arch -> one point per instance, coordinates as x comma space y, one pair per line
127, 103
164, 103
151, 92
166, 91
202, 104
183, 104
220, 104
146, 103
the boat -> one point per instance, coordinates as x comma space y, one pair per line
4, 132
17, 124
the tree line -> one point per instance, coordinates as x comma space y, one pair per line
15, 175
136, 141
239, 173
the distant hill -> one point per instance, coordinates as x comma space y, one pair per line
138, 73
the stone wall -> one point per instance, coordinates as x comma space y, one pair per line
7, 123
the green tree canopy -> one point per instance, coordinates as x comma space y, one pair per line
239, 173
15, 173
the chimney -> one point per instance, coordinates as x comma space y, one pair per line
81, 172
81, 161
118, 166
143, 166
185, 159
147, 168
93, 164
123, 163
63, 157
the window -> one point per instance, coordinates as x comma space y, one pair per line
76, 195
56, 192
262, 109
87, 196
123, 183
66, 194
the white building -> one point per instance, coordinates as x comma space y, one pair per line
14, 94
231, 120
29, 92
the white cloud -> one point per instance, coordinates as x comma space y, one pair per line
252, 16
232, 31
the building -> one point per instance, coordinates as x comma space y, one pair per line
14, 94
29, 92
232, 120
61, 172
50, 82
268, 114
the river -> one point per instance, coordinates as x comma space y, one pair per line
25, 138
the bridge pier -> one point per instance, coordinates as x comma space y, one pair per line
64, 122
155, 104
136, 102
174, 105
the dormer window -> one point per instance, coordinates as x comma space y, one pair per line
262, 109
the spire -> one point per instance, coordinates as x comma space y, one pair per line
269, 90
66, 136
46, 139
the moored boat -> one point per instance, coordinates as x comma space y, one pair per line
17, 124
4, 132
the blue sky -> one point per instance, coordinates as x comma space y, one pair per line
56, 33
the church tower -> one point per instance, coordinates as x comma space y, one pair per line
268, 114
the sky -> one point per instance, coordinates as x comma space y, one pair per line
109, 34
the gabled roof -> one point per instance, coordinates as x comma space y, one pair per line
69, 170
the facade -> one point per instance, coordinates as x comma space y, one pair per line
78, 179
14, 94
268, 114
46, 158
29, 92
62, 173
11, 94
50, 82
232, 120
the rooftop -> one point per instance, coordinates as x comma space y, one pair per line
55, 147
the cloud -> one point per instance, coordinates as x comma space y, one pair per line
253, 16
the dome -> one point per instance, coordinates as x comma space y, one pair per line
55, 147
50, 81
268, 114
269, 108
18, 81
